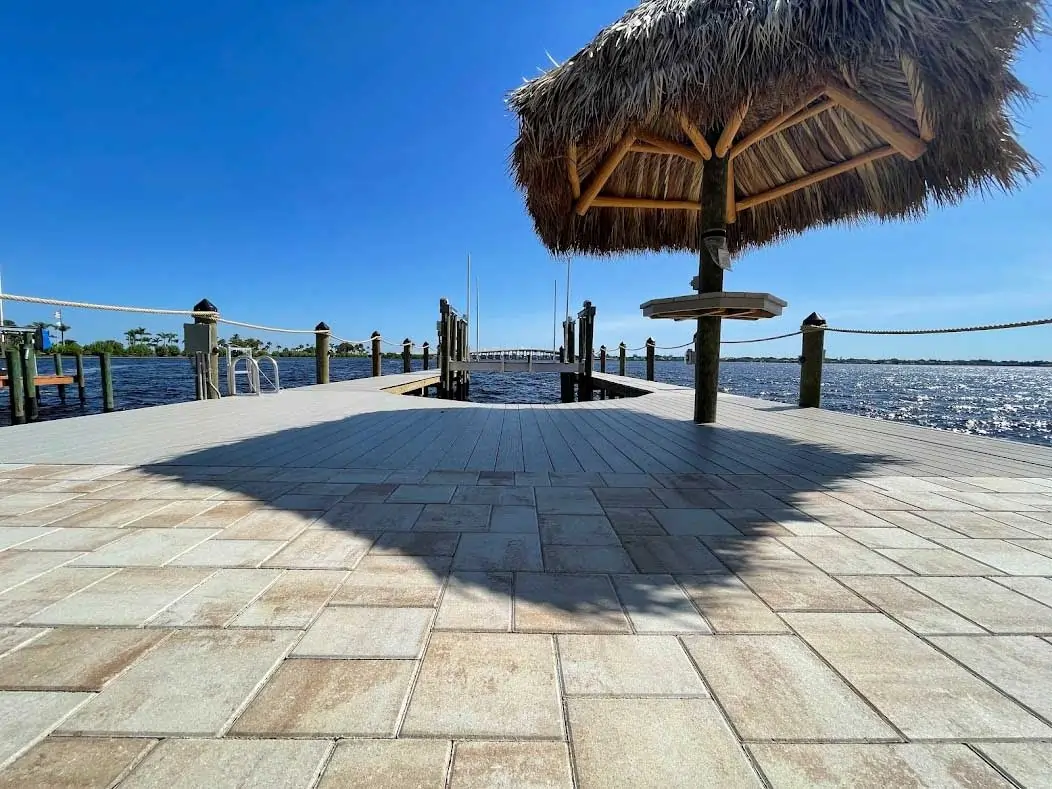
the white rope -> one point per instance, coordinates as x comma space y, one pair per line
269, 328
760, 339
673, 347
958, 330
106, 307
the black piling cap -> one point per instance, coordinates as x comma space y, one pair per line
814, 319
204, 305
321, 327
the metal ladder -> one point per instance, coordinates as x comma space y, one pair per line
251, 372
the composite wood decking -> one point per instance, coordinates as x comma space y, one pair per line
339, 587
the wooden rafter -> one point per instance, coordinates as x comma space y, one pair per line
806, 114
814, 178
606, 169
909, 68
571, 171
771, 126
889, 129
640, 147
668, 146
732, 205
734, 123
644, 202
696, 137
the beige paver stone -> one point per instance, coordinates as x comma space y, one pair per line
372, 516
452, 517
775, 688
627, 497
976, 525
111, 514
332, 698
587, 559
497, 495
229, 764
1013, 559
986, 603
550, 603
13, 637
450, 477
567, 501
424, 494
628, 521
359, 632
387, 764
688, 498
506, 551
830, 766
21, 503
680, 554
476, 601
1042, 547
50, 516
394, 580
292, 600
269, 524
74, 763
217, 600
75, 659
1021, 666
25, 716
627, 666
192, 684
221, 515
1039, 589
655, 744
486, 684
228, 553
730, 606
128, 597
1029, 763
935, 698
937, 561
514, 519
842, 556
656, 604
511, 765
560, 529
800, 588
145, 548
25, 600
412, 543
11, 536
905, 604
323, 549
74, 539
887, 538
695, 522
173, 514
17, 567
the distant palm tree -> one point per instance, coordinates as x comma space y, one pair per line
62, 327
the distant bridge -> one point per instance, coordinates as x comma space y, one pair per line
515, 360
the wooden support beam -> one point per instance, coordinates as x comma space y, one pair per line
732, 206
806, 114
814, 178
644, 202
734, 123
891, 130
571, 171
668, 146
606, 169
770, 127
696, 137
920, 108
646, 148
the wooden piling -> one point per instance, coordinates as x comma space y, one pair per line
587, 347
713, 227
15, 386
56, 359
650, 358
82, 391
377, 370
427, 355
322, 338
212, 384
445, 352
29, 373
622, 351
812, 354
106, 374
407, 355
567, 380
602, 358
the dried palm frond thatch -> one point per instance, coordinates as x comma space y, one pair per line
884, 105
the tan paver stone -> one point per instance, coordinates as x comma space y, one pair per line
627, 666
1039, 589
111, 514
53, 514
567, 501
74, 763
730, 606
802, 588
887, 538
292, 601
869, 500
551, 603
145, 548
627, 497
452, 517
127, 597
450, 477
174, 514
497, 495
975, 525
12, 637
937, 561
399, 581
913, 523
1029, 763
656, 604
1009, 558
323, 549
424, 494
935, 698
1021, 666
221, 515
655, 744
1042, 547
514, 519
411, 543
354, 632
991, 605
634, 521
586, 559
216, 601
388, 764
26, 716
486, 684
671, 555
229, 764
572, 479
830, 766
306, 501
688, 498
775, 688
191, 684
74, 539
842, 556
25, 600
369, 492
515, 765
228, 553
917, 612
699, 523
558, 529
269, 524
506, 551
369, 516
17, 567
21, 503
476, 601
75, 659
11, 536
332, 698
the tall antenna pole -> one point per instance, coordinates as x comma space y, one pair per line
478, 342
2, 298
467, 311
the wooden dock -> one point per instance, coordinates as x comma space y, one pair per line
336, 586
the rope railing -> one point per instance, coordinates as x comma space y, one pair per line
105, 307
955, 330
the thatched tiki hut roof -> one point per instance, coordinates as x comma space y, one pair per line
829, 110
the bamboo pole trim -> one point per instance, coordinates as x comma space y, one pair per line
604, 201
732, 206
806, 114
669, 146
924, 128
726, 140
571, 171
696, 137
606, 169
771, 126
892, 131
647, 148
816, 177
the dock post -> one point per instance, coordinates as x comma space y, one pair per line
602, 358
650, 358
587, 316
212, 321
812, 354
376, 354
427, 355
322, 336
445, 355
107, 383
407, 355
57, 359
621, 356
82, 391
29, 373
465, 376
712, 227
15, 386
568, 380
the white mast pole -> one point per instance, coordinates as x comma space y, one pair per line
478, 325
1, 297
467, 311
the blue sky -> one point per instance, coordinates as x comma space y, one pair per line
336, 161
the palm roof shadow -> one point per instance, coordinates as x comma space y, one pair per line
445, 508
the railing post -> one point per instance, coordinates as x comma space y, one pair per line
15, 386
602, 358
322, 337
622, 350
376, 354
407, 355
57, 359
812, 354
29, 383
82, 392
650, 358
213, 344
427, 355
106, 375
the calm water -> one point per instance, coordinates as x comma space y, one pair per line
1008, 402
